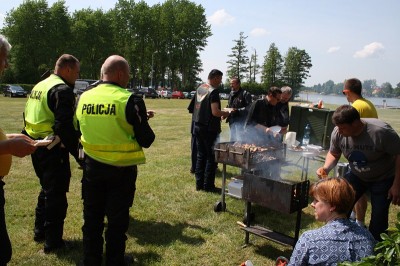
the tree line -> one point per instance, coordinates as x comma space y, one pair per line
369, 88
161, 42
276, 70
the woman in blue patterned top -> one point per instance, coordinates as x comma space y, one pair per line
339, 239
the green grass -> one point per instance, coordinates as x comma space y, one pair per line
171, 223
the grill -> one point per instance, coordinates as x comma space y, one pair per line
262, 184
247, 156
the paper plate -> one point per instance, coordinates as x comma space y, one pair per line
275, 128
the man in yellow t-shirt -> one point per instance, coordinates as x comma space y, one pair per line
10, 144
366, 109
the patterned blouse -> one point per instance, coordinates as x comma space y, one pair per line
337, 241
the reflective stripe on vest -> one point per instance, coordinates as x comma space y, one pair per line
39, 119
106, 135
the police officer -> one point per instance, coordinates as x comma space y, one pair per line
114, 128
207, 125
240, 100
49, 111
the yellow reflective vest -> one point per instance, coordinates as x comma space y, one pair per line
106, 135
39, 119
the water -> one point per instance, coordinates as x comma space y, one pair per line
341, 99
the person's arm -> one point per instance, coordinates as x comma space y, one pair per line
394, 191
62, 103
216, 111
18, 145
136, 115
331, 161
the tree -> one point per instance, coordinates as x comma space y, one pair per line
368, 86
93, 41
272, 68
387, 89
253, 67
39, 35
296, 68
238, 64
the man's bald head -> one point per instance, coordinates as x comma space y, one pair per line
116, 69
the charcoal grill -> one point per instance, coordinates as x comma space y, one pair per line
280, 195
265, 188
248, 157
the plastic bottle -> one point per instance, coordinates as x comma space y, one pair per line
306, 136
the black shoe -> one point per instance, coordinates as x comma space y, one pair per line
191, 171
213, 190
128, 260
63, 245
39, 238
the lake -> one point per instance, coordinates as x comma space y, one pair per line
341, 99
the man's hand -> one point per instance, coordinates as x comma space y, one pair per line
150, 114
322, 173
19, 145
394, 194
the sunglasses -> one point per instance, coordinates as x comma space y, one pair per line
345, 91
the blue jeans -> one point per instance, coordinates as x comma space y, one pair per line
379, 201
205, 165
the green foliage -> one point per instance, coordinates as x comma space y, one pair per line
272, 68
170, 36
296, 68
238, 64
387, 251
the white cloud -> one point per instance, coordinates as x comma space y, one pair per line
333, 49
259, 32
221, 18
370, 50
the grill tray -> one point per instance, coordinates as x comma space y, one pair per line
246, 156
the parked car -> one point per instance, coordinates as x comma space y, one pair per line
224, 96
166, 94
192, 94
14, 91
149, 93
81, 85
178, 95
136, 92
186, 94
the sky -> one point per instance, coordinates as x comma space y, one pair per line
345, 39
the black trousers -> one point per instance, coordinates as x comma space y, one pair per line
107, 191
53, 169
5, 244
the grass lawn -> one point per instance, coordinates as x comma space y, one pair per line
170, 222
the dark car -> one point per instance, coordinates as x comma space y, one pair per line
136, 92
81, 85
14, 91
149, 93
178, 95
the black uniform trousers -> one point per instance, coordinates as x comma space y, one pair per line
53, 169
106, 191
205, 165
5, 244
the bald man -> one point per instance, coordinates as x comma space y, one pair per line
114, 126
